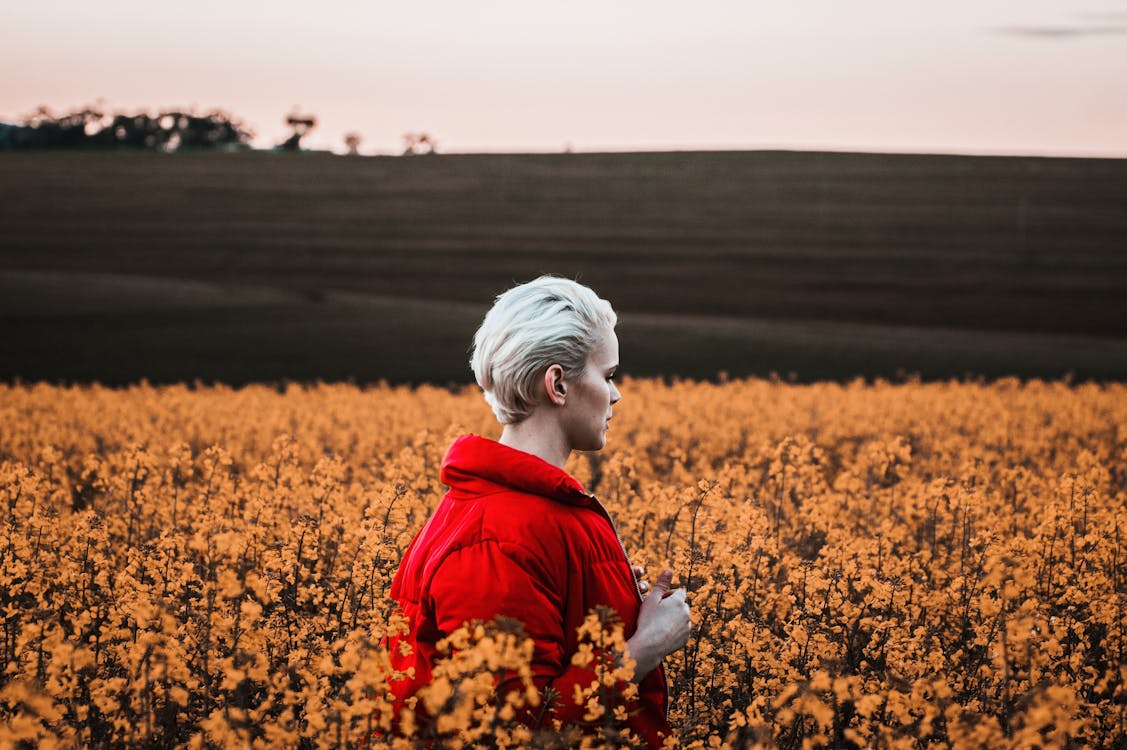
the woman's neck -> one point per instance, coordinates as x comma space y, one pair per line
539, 436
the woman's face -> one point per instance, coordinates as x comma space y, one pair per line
587, 409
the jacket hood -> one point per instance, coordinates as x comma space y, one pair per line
472, 457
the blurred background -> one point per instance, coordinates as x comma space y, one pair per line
820, 190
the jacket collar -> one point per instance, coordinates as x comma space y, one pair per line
473, 457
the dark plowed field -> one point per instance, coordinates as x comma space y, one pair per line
259, 266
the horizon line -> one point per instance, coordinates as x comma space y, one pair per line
735, 148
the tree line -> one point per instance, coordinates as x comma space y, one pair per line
90, 128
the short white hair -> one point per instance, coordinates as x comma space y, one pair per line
547, 321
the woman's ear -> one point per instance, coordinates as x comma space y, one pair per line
554, 385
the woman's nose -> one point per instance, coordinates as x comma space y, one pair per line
615, 396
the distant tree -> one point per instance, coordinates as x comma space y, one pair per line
216, 129
134, 131
419, 143
352, 142
301, 125
71, 130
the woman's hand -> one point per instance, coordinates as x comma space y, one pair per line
663, 626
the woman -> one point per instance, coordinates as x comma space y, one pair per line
516, 535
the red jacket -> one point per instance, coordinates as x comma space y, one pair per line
516, 536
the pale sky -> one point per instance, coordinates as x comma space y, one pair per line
957, 76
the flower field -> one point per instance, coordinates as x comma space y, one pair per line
869, 565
